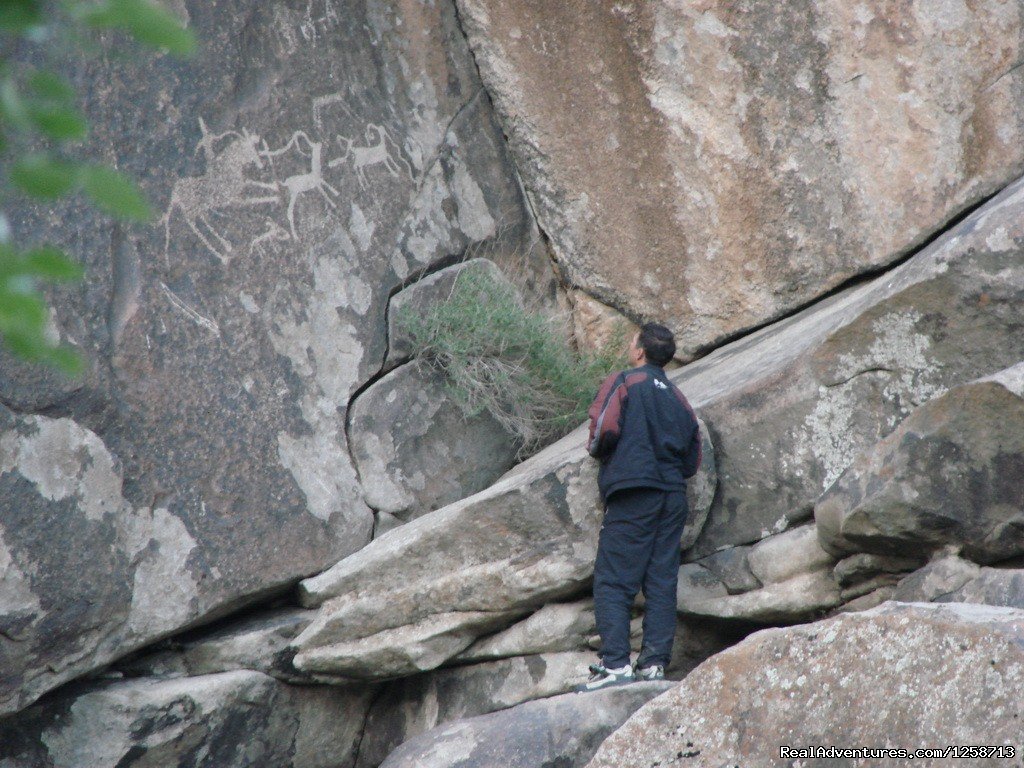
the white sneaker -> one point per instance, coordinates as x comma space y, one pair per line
653, 672
602, 677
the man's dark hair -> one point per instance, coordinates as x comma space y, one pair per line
658, 343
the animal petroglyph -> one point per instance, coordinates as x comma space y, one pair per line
224, 184
372, 154
310, 181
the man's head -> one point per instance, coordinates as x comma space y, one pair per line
654, 344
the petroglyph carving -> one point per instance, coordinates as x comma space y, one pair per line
274, 233
294, 28
310, 181
224, 184
190, 312
312, 27
372, 154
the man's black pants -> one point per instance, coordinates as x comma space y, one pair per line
638, 549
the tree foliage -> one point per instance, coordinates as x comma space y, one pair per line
41, 130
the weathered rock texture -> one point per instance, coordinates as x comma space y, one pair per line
312, 159
952, 473
790, 406
562, 732
563, 627
551, 628
416, 450
717, 164
791, 575
596, 326
955, 580
901, 675
413, 705
427, 589
793, 405
260, 643
423, 592
230, 720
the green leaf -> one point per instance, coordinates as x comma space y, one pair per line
19, 15
59, 122
148, 23
23, 311
64, 358
23, 343
42, 176
51, 86
50, 263
114, 193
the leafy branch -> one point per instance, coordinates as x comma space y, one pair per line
40, 127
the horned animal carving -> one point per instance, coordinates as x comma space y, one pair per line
224, 184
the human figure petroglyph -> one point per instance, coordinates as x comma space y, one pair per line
310, 181
311, 28
371, 154
222, 185
293, 27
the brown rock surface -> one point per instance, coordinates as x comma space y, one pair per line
718, 163
900, 675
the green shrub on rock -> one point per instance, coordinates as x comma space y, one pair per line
501, 357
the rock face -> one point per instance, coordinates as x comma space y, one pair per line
311, 160
562, 732
949, 474
231, 720
955, 580
792, 580
754, 139
423, 592
793, 405
413, 705
456, 573
259, 643
401, 436
554, 627
845, 682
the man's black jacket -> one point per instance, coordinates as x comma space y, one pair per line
644, 432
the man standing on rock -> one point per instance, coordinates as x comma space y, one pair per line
646, 436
